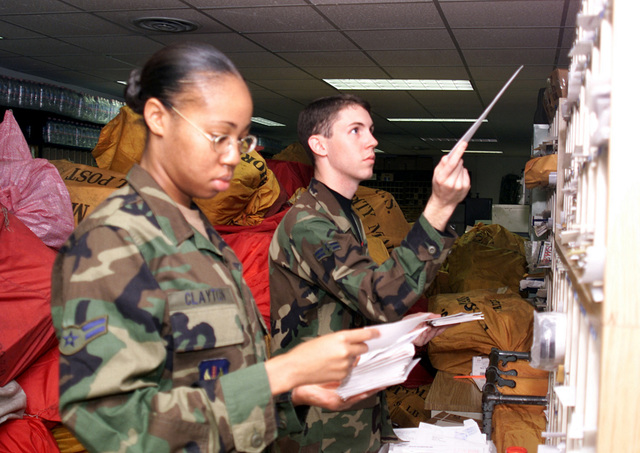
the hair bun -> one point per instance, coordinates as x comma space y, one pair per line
132, 93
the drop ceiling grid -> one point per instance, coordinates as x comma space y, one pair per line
286, 47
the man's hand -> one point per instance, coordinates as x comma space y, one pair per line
450, 186
430, 333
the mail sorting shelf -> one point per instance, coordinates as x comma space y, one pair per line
593, 403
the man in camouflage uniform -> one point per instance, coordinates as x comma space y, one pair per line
170, 360
322, 278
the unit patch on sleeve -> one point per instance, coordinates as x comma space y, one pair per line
75, 338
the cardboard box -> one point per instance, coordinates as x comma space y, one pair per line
514, 217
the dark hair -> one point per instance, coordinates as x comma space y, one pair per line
165, 73
318, 117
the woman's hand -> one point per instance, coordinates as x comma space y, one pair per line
325, 396
328, 358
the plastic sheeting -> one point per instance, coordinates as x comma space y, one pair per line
32, 188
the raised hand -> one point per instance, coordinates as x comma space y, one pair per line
450, 185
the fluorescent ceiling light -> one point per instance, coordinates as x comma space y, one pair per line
121, 82
471, 151
436, 120
400, 84
376, 150
265, 122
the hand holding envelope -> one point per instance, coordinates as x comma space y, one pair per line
390, 358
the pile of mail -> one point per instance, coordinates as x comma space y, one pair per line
428, 438
390, 358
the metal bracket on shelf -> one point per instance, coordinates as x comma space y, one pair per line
490, 394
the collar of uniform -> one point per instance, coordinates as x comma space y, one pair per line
160, 203
332, 207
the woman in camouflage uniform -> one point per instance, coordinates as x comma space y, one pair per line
162, 346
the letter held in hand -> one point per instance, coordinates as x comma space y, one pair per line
474, 127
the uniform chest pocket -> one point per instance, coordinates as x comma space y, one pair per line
204, 319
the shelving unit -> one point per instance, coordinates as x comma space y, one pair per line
594, 398
57, 122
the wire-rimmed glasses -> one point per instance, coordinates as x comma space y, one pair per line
223, 144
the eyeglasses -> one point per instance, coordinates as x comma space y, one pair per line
223, 144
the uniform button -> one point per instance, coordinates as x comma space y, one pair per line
431, 249
256, 440
282, 424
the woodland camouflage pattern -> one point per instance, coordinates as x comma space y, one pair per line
323, 280
162, 346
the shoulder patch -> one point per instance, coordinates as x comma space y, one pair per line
75, 338
326, 250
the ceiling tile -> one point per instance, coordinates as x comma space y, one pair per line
100, 45
319, 59
28, 65
295, 85
402, 39
9, 31
415, 57
244, 3
346, 2
86, 62
125, 18
304, 97
514, 13
131, 59
374, 16
272, 19
11, 7
65, 25
123, 5
259, 74
35, 47
226, 42
352, 72
428, 72
303, 41
489, 38
508, 56
257, 60
530, 71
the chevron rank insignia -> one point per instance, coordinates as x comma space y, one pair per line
75, 338
326, 250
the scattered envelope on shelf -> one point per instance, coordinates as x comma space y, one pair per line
451, 439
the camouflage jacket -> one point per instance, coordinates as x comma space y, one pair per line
162, 346
322, 279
